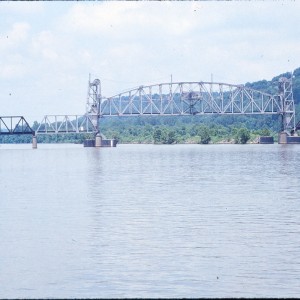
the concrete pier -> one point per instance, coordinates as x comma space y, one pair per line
98, 141
34, 142
282, 138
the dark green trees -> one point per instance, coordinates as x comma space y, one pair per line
242, 136
164, 136
204, 135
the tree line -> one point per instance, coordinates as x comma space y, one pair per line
168, 130
178, 133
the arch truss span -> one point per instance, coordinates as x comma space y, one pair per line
195, 98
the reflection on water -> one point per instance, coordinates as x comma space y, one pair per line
150, 221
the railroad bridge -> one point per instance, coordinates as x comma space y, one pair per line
175, 99
196, 98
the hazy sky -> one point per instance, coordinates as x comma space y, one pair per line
48, 49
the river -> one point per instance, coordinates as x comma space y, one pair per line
149, 221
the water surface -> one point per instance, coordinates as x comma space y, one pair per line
149, 221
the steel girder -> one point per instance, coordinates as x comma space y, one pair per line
178, 98
55, 124
287, 104
196, 98
14, 125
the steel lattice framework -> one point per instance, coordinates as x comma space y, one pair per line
54, 124
87, 123
14, 125
173, 99
197, 98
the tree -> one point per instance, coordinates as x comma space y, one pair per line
204, 135
157, 136
242, 136
171, 137
265, 132
35, 125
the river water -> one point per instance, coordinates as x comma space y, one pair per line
149, 221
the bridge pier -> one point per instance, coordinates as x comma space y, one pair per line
284, 138
98, 140
34, 142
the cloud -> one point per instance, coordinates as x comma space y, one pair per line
16, 35
12, 70
127, 20
11, 43
54, 46
185, 36
45, 46
21, 7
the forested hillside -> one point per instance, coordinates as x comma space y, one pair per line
185, 129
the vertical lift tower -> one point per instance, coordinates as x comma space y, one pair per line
93, 105
288, 133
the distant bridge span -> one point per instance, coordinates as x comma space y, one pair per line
197, 98
174, 99
168, 99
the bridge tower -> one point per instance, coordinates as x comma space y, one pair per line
93, 107
93, 102
288, 124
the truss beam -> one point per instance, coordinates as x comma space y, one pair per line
56, 124
14, 125
197, 98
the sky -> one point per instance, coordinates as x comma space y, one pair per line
48, 49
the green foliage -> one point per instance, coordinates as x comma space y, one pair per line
16, 139
204, 134
242, 136
45, 138
265, 132
171, 137
162, 135
157, 136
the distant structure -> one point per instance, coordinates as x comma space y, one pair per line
199, 98
17, 125
174, 99
93, 102
87, 123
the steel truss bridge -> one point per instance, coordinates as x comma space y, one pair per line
14, 125
198, 98
55, 124
175, 99
87, 123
